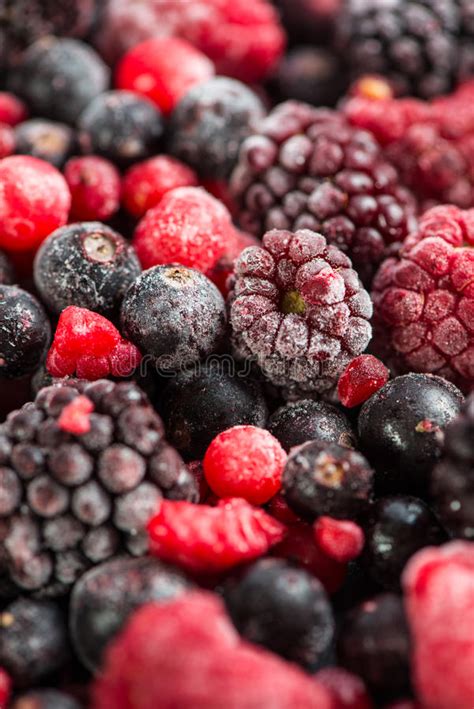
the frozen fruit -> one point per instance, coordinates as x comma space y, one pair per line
46, 140
5, 687
7, 274
7, 141
310, 21
348, 690
223, 269
342, 540
361, 378
75, 417
95, 188
12, 109
45, 699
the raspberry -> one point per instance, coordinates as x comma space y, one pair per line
439, 587
245, 461
7, 141
88, 344
188, 227
5, 687
35, 200
75, 417
221, 669
299, 309
94, 184
307, 168
348, 690
211, 539
12, 109
424, 302
341, 540
361, 378
163, 69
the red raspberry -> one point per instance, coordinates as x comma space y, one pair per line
89, 345
74, 418
163, 69
211, 539
348, 691
186, 653
94, 184
439, 587
424, 299
341, 540
147, 182
34, 201
7, 140
245, 461
5, 688
188, 227
361, 378
12, 109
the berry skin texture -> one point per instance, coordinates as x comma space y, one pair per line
35, 200
163, 69
145, 183
361, 378
439, 588
221, 669
46, 140
75, 417
206, 539
95, 187
348, 690
245, 461
188, 226
342, 540
12, 109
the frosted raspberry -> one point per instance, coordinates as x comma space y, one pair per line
341, 540
75, 418
424, 299
298, 308
361, 378
210, 539
439, 586
348, 690
94, 184
12, 109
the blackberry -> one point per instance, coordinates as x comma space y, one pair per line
400, 428
175, 314
47, 140
44, 699
59, 77
24, 333
307, 168
285, 609
33, 640
209, 124
198, 405
327, 479
298, 309
120, 126
122, 585
452, 481
306, 420
7, 274
74, 500
87, 264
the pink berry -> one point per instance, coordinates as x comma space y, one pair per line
5, 688
12, 109
341, 540
94, 184
245, 461
362, 377
348, 691
74, 418
7, 140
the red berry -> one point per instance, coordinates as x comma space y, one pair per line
145, 183
34, 201
163, 69
7, 140
278, 508
341, 540
348, 691
188, 227
12, 109
211, 539
224, 267
362, 377
94, 184
245, 461
5, 688
74, 418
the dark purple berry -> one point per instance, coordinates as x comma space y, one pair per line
7, 274
45, 699
46, 140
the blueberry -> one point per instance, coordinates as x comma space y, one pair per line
45, 699
47, 140
306, 420
87, 264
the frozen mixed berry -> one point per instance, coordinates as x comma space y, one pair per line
310, 21
33, 640
12, 109
46, 140
348, 690
45, 699
308, 168
198, 405
439, 588
95, 188
125, 585
59, 77
224, 267
163, 69
361, 378
24, 333
209, 124
188, 226
175, 315
7, 141
121, 126
327, 479
86, 264
245, 461
5, 687
35, 201
305, 420
299, 309
374, 643
283, 608
424, 299
400, 426
340, 539
452, 480
75, 416
145, 183
7, 273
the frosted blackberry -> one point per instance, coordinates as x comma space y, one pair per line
71, 500
307, 168
298, 309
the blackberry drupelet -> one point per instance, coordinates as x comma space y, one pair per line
46, 140
73, 500
307, 168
